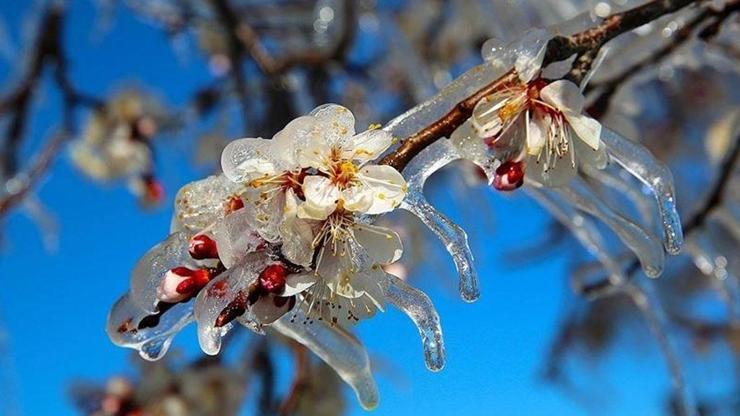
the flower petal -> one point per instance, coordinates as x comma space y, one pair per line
246, 159
388, 186
296, 234
338, 120
367, 146
316, 151
563, 95
321, 198
529, 60
383, 245
586, 128
201, 203
235, 238
297, 283
289, 142
537, 133
358, 198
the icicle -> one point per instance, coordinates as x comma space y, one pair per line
644, 166
645, 299
623, 185
586, 232
417, 305
647, 249
151, 342
338, 348
452, 236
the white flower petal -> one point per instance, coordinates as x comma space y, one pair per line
388, 185
297, 283
339, 121
358, 198
537, 133
529, 63
321, 198
586, 128
597, 159
246, 159
296, 234
367, 145
563, 95
316, 151
235, 238
291, 141
338, 270
201, 203
383, 245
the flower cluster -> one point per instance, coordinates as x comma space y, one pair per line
116, 144
285, 238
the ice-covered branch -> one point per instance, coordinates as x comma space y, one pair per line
606, 89
558, 49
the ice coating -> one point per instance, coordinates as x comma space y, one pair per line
152, 343
623, 185
584, 230
151, 268
644, 166
213, 299
417, 305
338, 348
235, 238
201, 203
647, 249
433, 109
454, 238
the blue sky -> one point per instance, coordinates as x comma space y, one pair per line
54, 304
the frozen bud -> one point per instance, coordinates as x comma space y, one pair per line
509, 176
203, 247
272, 279
234, 204
233, 310
167, 290
153, 189
197, 281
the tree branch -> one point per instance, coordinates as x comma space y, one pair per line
558, 49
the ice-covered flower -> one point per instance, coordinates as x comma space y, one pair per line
215, 268
344, 180
313, 167
116, 144
260, 245
531, 125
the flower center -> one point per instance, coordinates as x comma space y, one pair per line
343, 173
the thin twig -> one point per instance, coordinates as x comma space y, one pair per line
608, 88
